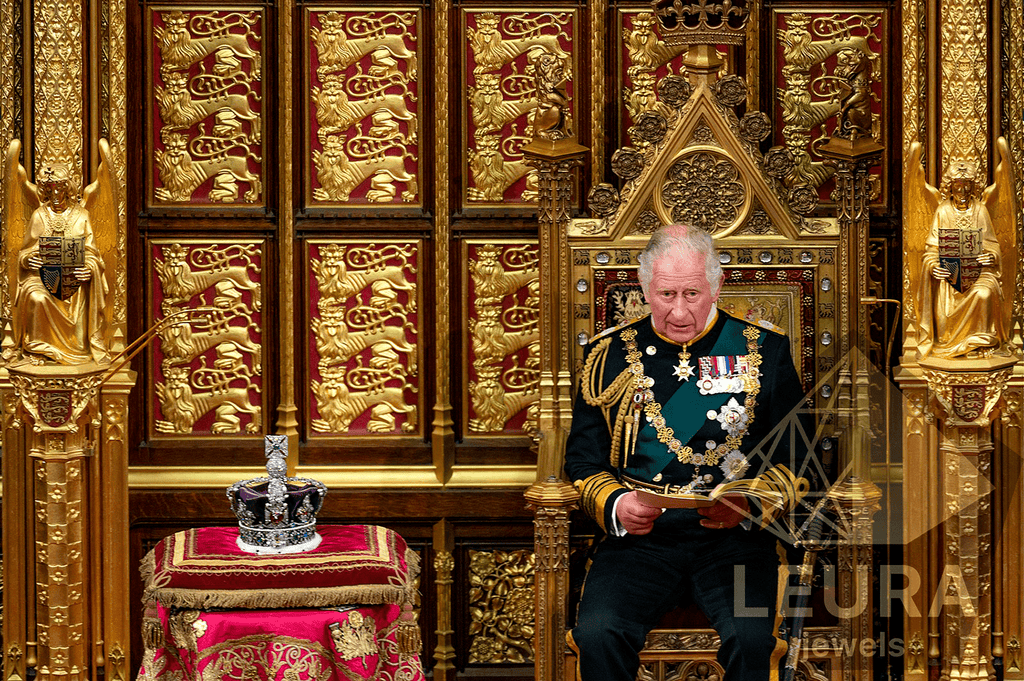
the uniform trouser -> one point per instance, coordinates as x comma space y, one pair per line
634, 580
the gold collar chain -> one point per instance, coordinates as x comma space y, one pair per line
643, 398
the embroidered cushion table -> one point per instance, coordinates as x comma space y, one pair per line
340, 611
204, 568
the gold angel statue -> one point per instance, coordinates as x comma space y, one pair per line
56, 250
964, 287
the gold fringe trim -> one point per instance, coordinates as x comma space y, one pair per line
322, 597
259, 599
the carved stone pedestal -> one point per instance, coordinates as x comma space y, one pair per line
966, 391
65, 541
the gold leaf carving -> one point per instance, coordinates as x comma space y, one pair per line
503, 94
213, 361
365, 335
59, 90
501, 606
210, 124
365, 98
811, 94
964, 65
503, 322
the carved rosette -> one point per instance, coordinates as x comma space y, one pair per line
503, 326
362, 104
832, 67
704, 190
206, 106
364, 330
502, 51
207, 368
501, 606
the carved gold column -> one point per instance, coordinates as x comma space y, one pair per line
443, 433
967, 391
444, 566
287, 411
66, 565
598, 87
853, 159
1008, 532
555, 154
110, 517
17, 504
10, 115
919, 527
54, 401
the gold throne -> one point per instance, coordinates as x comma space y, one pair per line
695, 161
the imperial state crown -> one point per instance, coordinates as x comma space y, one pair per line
277, 514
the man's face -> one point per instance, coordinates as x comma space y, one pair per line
679, 296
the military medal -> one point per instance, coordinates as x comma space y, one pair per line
683, 370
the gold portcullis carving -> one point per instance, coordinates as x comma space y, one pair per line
501, 606
365, 111
365, 335
213, 362
504, 320
209, 107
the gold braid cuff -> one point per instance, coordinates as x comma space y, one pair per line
594, 492
618, 392
778, 480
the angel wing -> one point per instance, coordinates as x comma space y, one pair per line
920, 200
1000, 200
21, 199
100, 200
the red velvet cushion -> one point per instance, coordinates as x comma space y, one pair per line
204, 568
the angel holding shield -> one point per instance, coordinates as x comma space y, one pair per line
61, 307
961, 287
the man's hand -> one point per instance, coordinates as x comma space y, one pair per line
729, 511
941, 273
83, 274
635, 517
987, 259
35, 262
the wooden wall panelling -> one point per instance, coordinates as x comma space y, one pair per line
205, 106
498, 96
362, 106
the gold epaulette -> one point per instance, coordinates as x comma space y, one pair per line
609, 331
591, 378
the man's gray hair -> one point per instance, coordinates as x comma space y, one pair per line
680, 239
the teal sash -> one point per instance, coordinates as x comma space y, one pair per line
686, 411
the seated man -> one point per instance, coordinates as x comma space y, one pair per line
677, 402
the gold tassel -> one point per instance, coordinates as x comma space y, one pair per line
409, 642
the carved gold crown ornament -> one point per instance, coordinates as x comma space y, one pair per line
697, 22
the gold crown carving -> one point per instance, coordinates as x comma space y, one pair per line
699, 22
